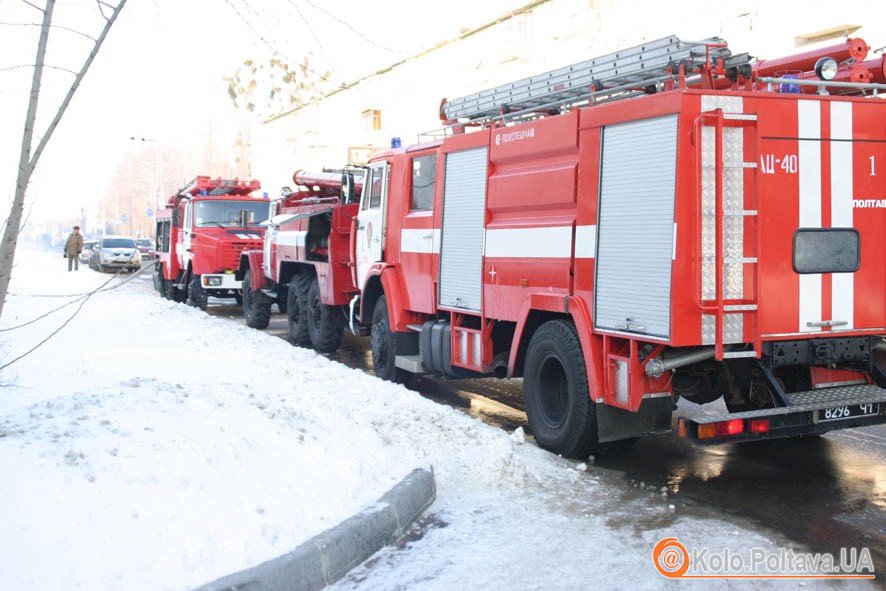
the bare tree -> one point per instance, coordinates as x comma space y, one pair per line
30, 155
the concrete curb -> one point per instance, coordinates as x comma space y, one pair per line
327, 557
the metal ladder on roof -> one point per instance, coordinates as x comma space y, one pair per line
628, 72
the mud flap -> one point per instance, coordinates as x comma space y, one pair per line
653, 417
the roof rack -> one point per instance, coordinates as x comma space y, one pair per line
624, 73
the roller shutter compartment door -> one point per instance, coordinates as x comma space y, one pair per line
461, 240
636, 226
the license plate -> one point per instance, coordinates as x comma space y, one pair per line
850, 411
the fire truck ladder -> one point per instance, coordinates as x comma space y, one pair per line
721, 203
637, 70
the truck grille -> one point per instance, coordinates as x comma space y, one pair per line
229, 255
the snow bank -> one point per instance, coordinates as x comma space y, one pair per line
150, 446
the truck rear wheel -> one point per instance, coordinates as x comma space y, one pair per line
297, 310
384, 345
197, 296
561, 414
256, 311
324, 330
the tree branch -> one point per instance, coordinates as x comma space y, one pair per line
32, 66
75, 84
62, 27
32, 5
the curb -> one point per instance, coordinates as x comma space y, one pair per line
327, 557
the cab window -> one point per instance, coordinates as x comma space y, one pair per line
424, 175
375, 188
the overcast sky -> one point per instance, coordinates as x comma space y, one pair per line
159, 75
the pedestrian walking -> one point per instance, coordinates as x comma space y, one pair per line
73, 248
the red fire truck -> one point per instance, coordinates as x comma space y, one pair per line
669, 221
305, 263
200, 235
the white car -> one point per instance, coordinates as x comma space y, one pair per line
115, 252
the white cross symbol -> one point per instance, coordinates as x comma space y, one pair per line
492, 273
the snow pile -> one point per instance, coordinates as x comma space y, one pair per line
151, 446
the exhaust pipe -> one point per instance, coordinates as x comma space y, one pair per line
656, 368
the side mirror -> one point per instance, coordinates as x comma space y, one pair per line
347, 187
176, 217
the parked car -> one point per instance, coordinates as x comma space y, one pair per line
87, 250
146, 248
115, 252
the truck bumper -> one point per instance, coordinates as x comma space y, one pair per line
220, 282
809, 413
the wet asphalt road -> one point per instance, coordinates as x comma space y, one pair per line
826, 492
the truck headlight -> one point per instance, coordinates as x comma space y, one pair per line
213, 281
826, 68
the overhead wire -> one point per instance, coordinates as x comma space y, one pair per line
270, 45
353, 29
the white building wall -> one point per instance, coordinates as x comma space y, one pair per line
554, 34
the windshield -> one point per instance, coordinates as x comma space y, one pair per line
228, 213
118, 243
144, 242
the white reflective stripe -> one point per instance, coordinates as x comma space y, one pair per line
290, 238
586, 242
425, 241
843, 284
549, 242
809, 151
674, 247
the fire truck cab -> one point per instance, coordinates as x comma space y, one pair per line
679, 224
200, 235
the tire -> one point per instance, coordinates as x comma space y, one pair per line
101, 268
159, 282
283, 305
238, 299
256, 311
325, 333
173, 293
297, 310
384, 346
562, 416
197, 296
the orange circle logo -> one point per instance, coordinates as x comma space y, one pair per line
670, 558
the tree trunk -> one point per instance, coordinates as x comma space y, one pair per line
25, 168
28, 159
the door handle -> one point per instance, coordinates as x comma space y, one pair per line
428, 237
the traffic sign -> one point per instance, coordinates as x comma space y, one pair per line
150, 212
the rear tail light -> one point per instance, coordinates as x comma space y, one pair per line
759, 426
722, 429
729, 428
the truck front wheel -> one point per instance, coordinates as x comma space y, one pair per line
561, 414
324, 328
256, 310
297, 310
384, 345
197, 296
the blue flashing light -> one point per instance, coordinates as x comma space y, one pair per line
789, 88
395, 142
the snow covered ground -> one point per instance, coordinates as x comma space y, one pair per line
151, 446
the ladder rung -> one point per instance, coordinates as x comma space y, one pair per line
741, 212
739, 307
740, 116
742, 260
732, 165
738, 354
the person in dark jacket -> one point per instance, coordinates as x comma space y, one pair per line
73, 248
